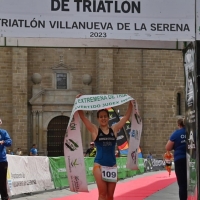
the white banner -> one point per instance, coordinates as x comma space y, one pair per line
166, 20
135, 135
74, 158
73, 144
28, 174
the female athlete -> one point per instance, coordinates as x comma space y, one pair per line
104, 137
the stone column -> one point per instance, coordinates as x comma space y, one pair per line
45, 142
85, 134
89, 136
40, 132
19, 98
37, 92
84, 137
87, 90
34, 127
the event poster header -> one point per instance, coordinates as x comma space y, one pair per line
166, 20
98, 6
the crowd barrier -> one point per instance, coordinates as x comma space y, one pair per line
28, 174
155, 165
59, 175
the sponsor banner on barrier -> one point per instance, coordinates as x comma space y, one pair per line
30, 174
73, 145
58, 171
158, 164
153, 164
60, 179
148, 165
102, 19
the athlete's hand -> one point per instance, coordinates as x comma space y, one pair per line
1, 142
77, 96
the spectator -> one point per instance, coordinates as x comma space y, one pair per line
140, 152
19, 152
33, 151
117, 153
10, 152
5, 141
177, 142
91, 151
149, 156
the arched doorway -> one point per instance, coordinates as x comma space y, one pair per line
55, 136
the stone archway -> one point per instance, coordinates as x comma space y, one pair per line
55, 136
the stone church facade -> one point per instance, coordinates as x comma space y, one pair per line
38, 87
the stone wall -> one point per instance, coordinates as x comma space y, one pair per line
19, 98
6, 88
152, 77
13, 90
163, 73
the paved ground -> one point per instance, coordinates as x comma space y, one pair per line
171, 192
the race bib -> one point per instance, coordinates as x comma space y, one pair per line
168, 161
109, 174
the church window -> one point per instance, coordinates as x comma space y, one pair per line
61, 80
178, 99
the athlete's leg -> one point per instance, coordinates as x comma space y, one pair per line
101, 185
170, 168
111, 190
166, 167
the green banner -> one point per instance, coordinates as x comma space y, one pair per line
141, 165
58, 171
89, 162
121, 167
59, 174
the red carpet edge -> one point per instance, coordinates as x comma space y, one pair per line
139, 188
